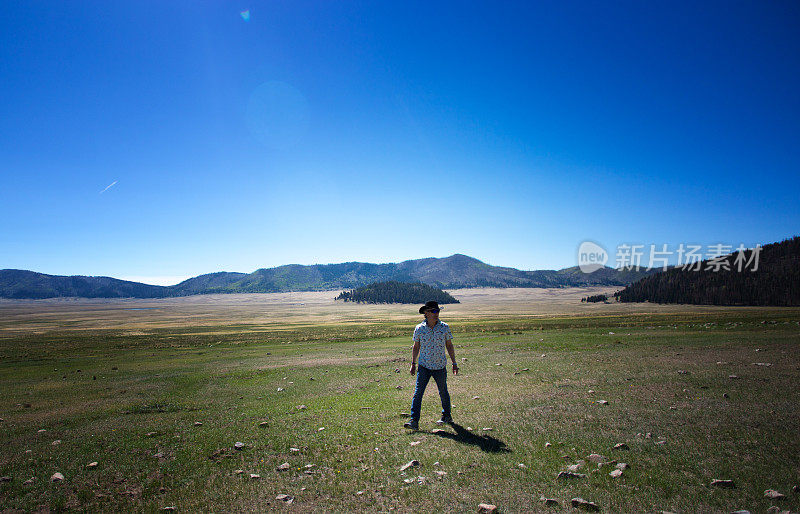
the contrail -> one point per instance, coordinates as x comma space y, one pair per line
108, 187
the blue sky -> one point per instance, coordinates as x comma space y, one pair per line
321, 132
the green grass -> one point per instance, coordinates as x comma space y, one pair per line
227, 378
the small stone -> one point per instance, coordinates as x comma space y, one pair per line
567, 475
602, 402
550, 502
775, 495
5, 479
170, 508
254, 476
726, 484
591, 391
438, 431
301, 407
359, 493
487, 508
238, 471
41, 431
410, 464
399, 388
580, 503
547, 445
56, 442
414, 443
284, 498
499, 364
263, 424
521, 466
283, 467
733, 377
238, 445
309, 466
596, 457
397, 370
198, 424
405, 414
525, 369
487, 429
294, 449
57, 477
725, 395
616, 473
621, 446
92, 464
320, 429
280, 389
151, 434
476, 397
440, 473
622, 466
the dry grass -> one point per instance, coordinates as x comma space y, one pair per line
196, 359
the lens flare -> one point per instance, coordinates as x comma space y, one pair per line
277, 114
245, 15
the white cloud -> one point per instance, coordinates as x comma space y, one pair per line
108, 187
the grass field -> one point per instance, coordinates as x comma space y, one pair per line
323, 387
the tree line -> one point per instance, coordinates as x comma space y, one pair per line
396, 292
776, 281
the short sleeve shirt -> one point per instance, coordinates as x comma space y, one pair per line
431, 344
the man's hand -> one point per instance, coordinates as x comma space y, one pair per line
413, 369
455, 369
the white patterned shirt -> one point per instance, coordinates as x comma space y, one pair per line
431, 344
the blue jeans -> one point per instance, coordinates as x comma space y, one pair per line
423, 376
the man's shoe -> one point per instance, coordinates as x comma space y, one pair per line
413, 425
445, 419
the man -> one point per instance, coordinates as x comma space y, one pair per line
431, 338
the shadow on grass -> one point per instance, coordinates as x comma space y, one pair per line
485, 442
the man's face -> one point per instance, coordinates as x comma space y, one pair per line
432, 315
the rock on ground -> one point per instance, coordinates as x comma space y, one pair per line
410, 464
487, 508
566, 475
727, 484
580, 503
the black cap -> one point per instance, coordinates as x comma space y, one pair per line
428, 305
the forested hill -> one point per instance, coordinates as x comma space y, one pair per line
452, 272
776, 281
396, 292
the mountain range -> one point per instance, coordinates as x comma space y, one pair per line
455, 271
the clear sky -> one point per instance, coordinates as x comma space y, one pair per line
163, 139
